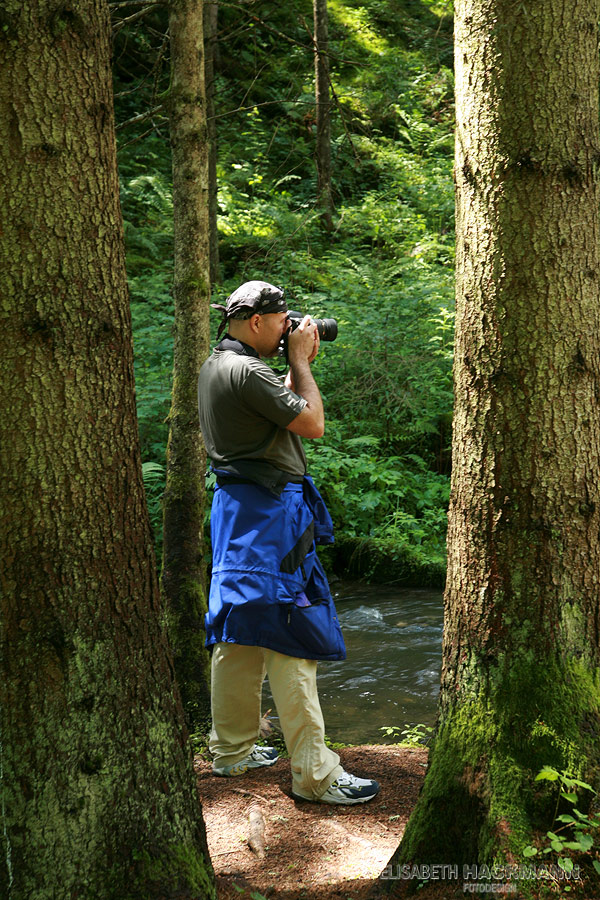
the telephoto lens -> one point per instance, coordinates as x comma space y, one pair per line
327, 328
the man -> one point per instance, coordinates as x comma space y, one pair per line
270, 608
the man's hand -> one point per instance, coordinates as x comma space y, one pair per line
303, 346
303, 343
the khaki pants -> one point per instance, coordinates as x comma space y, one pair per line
238, 673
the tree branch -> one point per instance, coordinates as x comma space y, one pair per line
238, 109
141, 118
135, 17
122, 3
285, 37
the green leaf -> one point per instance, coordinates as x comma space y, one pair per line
566, 818
566, 864
572, 798
582, 784
574, 845
547, 774
585, 840
366, 440
596, 865
529, 851
152, 469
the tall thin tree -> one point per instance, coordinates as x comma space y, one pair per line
211, 45
323, 112
183, 573
98, 797
521, 651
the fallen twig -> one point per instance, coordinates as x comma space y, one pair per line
249, 794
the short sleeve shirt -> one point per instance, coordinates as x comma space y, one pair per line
245, 409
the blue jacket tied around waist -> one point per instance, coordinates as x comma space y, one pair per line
268, 587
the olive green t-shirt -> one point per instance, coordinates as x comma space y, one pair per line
245, 409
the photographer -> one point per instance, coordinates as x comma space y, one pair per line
270, 608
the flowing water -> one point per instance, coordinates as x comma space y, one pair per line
392, 671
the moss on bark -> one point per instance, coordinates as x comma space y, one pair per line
95, 767
480, 802
184, 569
521, 650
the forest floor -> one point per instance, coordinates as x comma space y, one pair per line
318, 852
313, 851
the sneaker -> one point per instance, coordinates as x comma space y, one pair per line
346, 791
258, 756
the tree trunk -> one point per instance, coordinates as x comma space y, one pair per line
521, 637
323, 113
184, 569
98, 797
211, 13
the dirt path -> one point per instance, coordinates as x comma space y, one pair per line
313, 851
319, 852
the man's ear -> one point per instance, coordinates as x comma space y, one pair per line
254, 323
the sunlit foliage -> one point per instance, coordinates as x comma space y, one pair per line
386, 273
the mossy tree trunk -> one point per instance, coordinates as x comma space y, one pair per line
521, 654
211, 17
98, 793
323, 113
184, 568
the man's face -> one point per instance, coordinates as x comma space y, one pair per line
272, 328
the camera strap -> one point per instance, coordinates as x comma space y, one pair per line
229, 343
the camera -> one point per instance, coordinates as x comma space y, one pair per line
327, 328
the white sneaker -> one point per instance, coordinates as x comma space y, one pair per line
258, 756
346, 790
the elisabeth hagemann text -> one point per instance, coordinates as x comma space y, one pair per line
477, 874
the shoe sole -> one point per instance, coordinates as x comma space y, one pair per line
262, 765
349, 802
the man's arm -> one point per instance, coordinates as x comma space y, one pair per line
303, 346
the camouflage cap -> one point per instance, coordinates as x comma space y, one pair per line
250, 298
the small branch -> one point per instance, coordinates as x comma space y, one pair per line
249, 794
238, 109
285, 37
139, 137
156, 70
339, 108
133, 18
123, 3
141, 118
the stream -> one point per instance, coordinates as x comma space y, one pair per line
392, 671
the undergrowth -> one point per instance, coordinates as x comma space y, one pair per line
385, 273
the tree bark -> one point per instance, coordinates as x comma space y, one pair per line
522, 620
211, 13
184, 569
98, 796
323, 113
